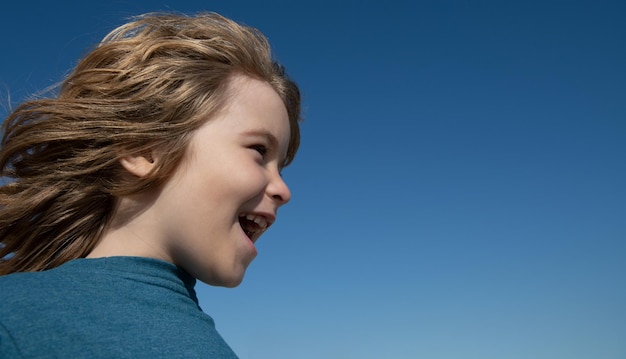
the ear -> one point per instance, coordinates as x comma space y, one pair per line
139, 163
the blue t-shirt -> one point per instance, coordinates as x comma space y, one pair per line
117, 307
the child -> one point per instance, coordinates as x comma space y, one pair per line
157, 164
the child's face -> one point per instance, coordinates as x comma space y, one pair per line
228, 188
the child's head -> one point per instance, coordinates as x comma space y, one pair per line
150, 84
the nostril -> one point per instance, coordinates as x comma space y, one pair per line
280, 198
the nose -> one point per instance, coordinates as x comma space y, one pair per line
278, 190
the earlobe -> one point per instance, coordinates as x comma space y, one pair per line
139, 164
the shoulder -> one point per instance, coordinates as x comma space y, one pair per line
118, 308
8, 348
29, 295
18, 287
23, 295
17, 283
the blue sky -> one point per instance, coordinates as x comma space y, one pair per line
459, 192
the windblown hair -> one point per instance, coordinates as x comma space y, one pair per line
150, 82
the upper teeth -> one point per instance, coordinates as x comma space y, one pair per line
259, 220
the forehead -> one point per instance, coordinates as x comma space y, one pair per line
253, 107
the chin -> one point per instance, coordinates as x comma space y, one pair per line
232, 284
228, 281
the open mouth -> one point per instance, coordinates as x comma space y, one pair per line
253, 226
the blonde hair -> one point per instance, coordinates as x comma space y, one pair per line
150, 82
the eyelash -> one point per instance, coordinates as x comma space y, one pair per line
261, 149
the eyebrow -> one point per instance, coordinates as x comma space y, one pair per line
263, 133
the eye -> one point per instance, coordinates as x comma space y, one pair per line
261, 149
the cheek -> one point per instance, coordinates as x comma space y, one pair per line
251, 180
248, 179
233, 176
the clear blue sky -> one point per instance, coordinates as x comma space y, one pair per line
460, 190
